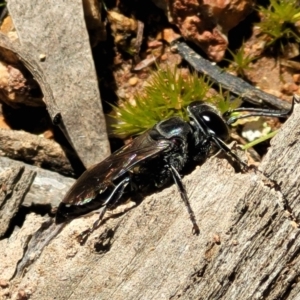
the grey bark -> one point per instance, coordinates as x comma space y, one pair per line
14, 182
47, 188
248, 247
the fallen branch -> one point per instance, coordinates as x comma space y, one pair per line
227, 81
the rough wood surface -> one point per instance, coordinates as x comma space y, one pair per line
67, 76
47, 188
15, 183
34, 149
248, 246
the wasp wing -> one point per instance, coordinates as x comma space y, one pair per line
99, 177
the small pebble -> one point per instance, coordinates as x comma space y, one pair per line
295, 224
48, 134
296, 78
217, 239
164, 57
3, 123
4, 283
22, 295
133, 81
289, 88
235, 242
42, 57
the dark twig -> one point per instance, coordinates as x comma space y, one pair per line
227, 81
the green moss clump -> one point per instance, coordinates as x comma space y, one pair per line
167, 94
279, 21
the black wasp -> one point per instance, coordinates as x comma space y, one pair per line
155, 157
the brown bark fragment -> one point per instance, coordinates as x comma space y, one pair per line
39, 151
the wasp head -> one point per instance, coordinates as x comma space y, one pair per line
207, 122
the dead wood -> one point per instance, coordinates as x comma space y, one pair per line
39, 151
232, 83
14, 182
47, 188
26, 185
248, 246
67, 77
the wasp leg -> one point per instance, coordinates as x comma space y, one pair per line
112, 200
227, 150
184, 197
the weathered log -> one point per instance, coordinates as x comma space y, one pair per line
248, 246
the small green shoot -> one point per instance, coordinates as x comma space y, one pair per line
279, 20
240, 61
224, 102
260, 140
167, 94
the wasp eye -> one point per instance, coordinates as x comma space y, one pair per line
208, 119
214, 124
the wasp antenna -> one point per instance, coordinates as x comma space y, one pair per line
261, 112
